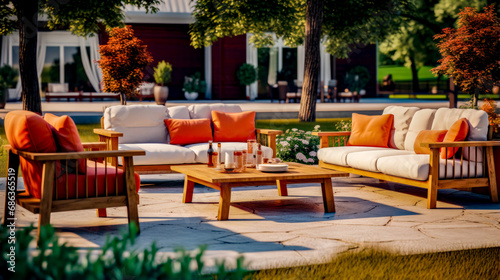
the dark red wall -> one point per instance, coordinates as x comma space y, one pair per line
367, 57
171, 42
228, 54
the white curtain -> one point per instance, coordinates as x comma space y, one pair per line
251, 91
90, 65
273, 66
325, 65
300, 64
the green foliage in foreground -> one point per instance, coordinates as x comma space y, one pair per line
370, 264
116, 260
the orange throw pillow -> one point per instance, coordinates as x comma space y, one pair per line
233, 127
373, 131
428, 136
184, 132
457, 132
67, 137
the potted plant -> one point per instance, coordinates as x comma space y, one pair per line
122, 61
162, 75
7, 78
247, 74
193, 86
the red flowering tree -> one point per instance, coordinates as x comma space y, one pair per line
471, 52
122, 61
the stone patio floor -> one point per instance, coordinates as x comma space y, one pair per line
273, 231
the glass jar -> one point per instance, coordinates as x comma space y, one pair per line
238, 161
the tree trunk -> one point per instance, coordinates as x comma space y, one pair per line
27, 15
314, 19
414, 75
123, 99
452, 95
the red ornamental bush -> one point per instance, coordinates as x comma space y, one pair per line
471, 53
122, 61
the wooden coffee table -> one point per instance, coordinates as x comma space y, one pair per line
224, 182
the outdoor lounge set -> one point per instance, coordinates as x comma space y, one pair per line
433, 149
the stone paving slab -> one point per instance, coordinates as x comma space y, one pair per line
272, 231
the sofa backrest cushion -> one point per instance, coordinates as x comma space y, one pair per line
178, 112
422, 120
478, 121
204, 111
27, 131
233, 127
373, 131
67, 137
138, 123
402, 119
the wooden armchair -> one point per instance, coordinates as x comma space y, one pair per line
100, 187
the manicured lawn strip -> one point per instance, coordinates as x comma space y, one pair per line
401, 73
284, 124
370, 264
440, 96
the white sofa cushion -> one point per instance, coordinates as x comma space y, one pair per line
402, 119
422, 120
367, 160
417, 167
338, 155
204, 111
160, 154
478, 121
138, 123
178, 112
200, 150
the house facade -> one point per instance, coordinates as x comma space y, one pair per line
65, 58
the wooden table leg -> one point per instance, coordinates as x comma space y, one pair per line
224, 202
188, 190
282, 190
327, 191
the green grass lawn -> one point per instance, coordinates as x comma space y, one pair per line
401, 73
465, 264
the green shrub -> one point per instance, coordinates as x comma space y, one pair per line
163, 73
56, 260
246, 74
298, 146
194, 84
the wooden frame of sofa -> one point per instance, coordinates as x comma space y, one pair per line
47, 204
433, 183
266, 137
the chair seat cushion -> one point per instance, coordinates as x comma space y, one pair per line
417, 167
367, 160
157, 154
200, 150
338, 155
101, 172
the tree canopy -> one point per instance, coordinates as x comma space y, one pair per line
81, 17
340, 24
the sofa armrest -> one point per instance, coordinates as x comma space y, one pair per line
339, 138
76, 155
267, 137
435, 145
94, 146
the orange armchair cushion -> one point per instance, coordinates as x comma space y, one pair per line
184, 132
233, 127
28, 131
67, 137
373, 131
427, 136
457, 132
102, 173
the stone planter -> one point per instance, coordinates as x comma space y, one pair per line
161, 94
190, 95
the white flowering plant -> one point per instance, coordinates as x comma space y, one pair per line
298, 146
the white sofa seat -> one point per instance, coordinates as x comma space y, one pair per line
367, 160
200, 150
338, 155
157, 153
417, 167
